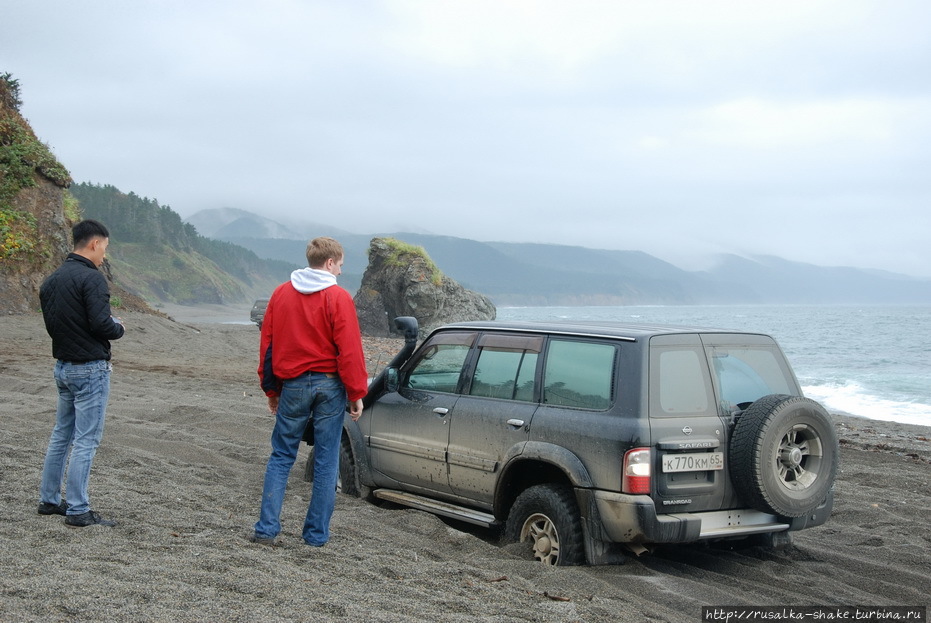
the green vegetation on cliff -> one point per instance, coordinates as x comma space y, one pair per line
23, 157
403, 253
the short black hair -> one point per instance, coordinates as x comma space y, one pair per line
86, 230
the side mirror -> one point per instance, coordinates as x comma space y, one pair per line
391, 379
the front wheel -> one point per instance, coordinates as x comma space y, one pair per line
547, 516
346, 476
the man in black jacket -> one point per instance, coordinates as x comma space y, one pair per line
76, 307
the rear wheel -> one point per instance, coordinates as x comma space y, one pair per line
783, 455
547, 517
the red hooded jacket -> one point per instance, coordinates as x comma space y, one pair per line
310, 324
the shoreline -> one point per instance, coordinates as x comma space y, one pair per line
209, 314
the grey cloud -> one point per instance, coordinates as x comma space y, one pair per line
797, 130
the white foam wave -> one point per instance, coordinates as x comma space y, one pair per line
852, 399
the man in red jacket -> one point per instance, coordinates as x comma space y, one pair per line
310, 363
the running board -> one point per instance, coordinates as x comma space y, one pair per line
445, 509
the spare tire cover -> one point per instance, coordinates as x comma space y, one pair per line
783, 455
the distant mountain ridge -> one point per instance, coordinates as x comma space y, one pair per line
549, 274
224, 223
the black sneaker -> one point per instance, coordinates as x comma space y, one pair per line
263, 540
47, 508
90, 518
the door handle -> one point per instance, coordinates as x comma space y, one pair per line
515, 422
441, 410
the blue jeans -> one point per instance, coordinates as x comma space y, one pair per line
83, 391
322, 400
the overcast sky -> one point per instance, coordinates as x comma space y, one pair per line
681, 128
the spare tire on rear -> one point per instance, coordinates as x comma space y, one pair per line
783, 455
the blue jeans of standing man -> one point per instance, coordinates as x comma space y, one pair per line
321, 399
83, 391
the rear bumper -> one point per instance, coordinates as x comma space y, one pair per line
633, 519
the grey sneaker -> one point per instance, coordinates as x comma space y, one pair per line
90, 518
263, 540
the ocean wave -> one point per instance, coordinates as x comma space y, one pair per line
852, 399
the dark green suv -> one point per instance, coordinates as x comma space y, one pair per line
257, 314
586, 439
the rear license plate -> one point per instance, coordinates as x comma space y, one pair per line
697, 462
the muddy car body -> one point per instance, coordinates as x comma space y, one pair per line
584, 440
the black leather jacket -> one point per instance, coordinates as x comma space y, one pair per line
76, 307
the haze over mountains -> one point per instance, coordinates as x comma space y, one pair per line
547, 274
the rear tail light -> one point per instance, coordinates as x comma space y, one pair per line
636, 475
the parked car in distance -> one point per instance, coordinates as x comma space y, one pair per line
257, 315
588, 441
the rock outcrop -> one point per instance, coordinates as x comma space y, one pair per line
41, 207
401, 280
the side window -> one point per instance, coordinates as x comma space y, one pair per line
506, 367
682, 383
439, 364
579, 374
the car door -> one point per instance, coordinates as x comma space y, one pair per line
409, 431
688, 433
492, 416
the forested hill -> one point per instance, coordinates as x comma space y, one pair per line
159, 257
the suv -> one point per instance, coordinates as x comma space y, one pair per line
257, 315
586, 439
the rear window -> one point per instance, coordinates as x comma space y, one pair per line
682, 387
746, 374
741, 374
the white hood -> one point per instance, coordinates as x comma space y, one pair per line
310, 280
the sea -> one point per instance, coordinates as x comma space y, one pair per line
861, 360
